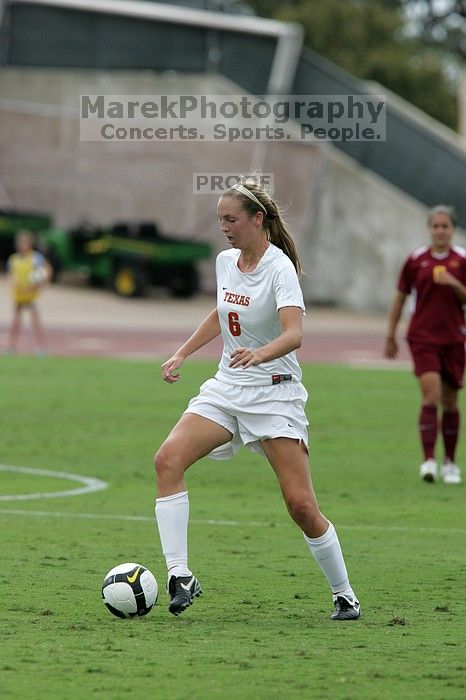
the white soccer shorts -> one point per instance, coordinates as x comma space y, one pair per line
252, 413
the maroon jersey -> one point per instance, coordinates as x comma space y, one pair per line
438, 314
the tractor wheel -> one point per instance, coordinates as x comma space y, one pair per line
129, 281
184, 282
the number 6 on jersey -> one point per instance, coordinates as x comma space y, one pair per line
233, 322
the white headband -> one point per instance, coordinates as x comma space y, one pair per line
248, 193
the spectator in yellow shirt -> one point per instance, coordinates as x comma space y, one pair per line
29, 272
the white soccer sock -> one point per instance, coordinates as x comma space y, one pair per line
172, 515
327, 552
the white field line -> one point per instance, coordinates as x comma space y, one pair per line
90, 484
227, 523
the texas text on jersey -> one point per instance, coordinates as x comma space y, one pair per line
248, 304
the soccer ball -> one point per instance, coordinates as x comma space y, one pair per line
38, 275
130, 590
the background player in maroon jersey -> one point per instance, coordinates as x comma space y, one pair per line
437, 277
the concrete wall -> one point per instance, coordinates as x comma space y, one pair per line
351, 227
44, 166
365, 229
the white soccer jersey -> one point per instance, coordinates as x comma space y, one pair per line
247, 305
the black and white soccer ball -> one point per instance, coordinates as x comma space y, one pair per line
38, 275
130, 590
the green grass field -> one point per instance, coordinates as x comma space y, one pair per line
262, 627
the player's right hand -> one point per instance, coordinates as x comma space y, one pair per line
391, 349
171, 366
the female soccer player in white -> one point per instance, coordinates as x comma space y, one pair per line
256, 398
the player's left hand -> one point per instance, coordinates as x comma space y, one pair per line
244, 357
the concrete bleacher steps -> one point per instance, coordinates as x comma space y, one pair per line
420, 157
356, 209
351, 226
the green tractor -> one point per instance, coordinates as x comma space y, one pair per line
129, 257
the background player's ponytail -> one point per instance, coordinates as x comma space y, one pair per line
274, 223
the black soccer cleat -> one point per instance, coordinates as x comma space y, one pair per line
346, 608
182, 590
